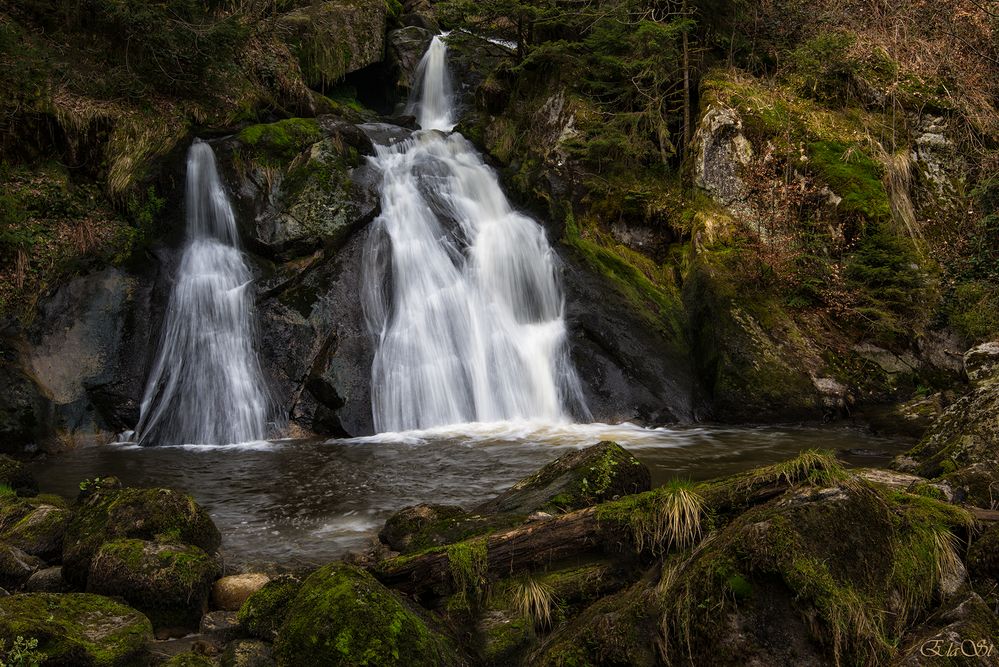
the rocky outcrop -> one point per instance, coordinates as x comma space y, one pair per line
333, 39
962, 445
406, 47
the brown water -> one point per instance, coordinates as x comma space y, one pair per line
301, 502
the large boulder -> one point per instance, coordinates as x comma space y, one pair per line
40, 531
343, 616
113, 513
77, 629
294, 185
333, 39
264, 611
170, 583
579, 479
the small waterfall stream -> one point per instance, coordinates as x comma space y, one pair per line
206, 386
460, 290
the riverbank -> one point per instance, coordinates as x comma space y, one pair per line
805, 561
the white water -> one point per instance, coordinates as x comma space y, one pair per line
460, 290
206, 386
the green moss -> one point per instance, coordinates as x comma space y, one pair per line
854, 176
170, 583
973, 310
264, 611
112, 513
343, 616
278, 143
864, 588
468, 562
16, 478
77, 628
649, 288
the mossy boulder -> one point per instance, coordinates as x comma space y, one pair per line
983, 555
573, 481
332, 39
264, 611
861, 564
961, 632
40, 532
296, 191
343, 616
170, 583
17, 476
77, 629
107, 515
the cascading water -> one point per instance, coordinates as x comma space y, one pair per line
460, 290
206, 386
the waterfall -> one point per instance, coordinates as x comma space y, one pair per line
460, 291
206, 386
432, 101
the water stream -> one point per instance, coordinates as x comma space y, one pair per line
206, 386
460, 290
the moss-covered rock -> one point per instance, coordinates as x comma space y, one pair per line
106, 515
17, 477
170, 583
40, 532
264, 611
424, 526
343, 616
798, 557
332, 39
961, 632
961, 446
578, 479
77, 629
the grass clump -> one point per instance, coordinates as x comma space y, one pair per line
660, 519
468, 562
535, 600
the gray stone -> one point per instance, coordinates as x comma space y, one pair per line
48, 580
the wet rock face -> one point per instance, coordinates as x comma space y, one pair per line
304, 194
406, 47
76, 376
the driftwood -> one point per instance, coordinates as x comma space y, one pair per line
526, 547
